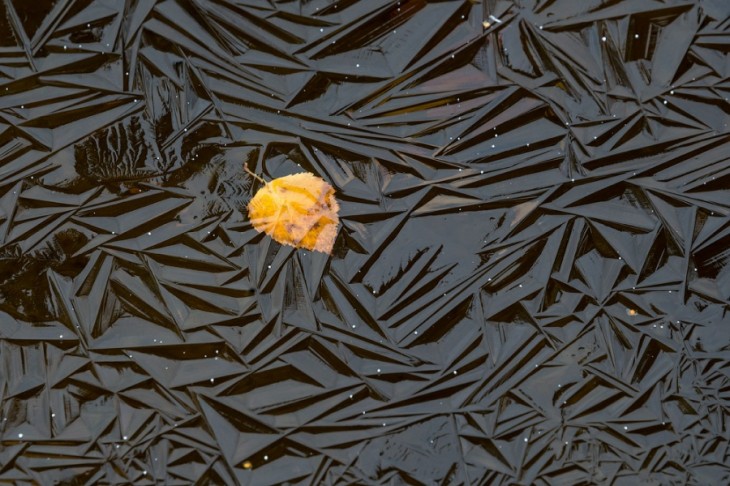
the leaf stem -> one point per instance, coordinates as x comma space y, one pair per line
256, 176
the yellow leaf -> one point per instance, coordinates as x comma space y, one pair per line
298, 210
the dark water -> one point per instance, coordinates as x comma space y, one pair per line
531, 283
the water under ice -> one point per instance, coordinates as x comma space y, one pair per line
530, 283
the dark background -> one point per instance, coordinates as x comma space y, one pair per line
531, 283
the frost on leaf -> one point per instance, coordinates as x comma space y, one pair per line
298, 210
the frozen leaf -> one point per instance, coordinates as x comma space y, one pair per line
298, 210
